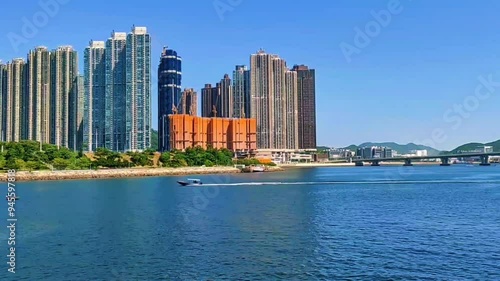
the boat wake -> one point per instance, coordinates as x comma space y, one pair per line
387, 182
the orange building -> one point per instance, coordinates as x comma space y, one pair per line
233, 134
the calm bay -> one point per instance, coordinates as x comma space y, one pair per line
366, 223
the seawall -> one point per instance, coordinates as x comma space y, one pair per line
123, 173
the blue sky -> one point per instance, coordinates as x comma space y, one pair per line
404, 85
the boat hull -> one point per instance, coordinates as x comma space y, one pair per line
183, 183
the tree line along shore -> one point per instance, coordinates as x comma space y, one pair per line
33, 161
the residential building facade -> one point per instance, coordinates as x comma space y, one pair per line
64, 70
189, 102
138, 85
210, 101
116, 92
225, 96
169, 94
306, 98
241, 92
38, 95
273, 101
95, 96
13, 99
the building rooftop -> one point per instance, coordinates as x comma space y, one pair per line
97, 44
118, 35
65, 48
139, 30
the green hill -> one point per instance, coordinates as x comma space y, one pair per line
475, 145
400, 148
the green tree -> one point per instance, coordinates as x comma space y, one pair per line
32, 165
165, 159
84, 162
60, 163
141, 159
13, 164
3, 162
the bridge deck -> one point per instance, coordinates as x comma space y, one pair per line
428, 157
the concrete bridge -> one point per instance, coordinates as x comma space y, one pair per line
445, 159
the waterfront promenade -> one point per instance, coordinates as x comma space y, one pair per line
123, 173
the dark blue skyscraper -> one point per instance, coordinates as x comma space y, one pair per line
169, 94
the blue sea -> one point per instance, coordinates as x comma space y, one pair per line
364, 223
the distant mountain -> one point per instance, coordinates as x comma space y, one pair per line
400, 148
322, 148
475, 145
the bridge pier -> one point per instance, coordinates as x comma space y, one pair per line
485, 161
375, 163
445, 161
359, 164
408, 163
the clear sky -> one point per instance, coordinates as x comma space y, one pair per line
402, 85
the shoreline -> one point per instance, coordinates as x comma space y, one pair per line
382, 164
25, 176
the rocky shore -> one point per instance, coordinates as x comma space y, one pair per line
122, 173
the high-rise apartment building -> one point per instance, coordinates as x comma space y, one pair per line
306, 92
94, 96
271, 99
189, 102
14, 93
38, 93
218, 101
76, 107
262, 97
210, 101
169, 94
3, 91
241, 92
116, 92
278, 112
291, 110
225, 95
138, 90
42, 99
117, 83
64, 70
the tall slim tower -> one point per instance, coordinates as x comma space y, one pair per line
262, 97
76, 112
225, 95
306, 96
291, 117
64, 69
116, 92
3, 93
16, 79
38, 95
278, 112
210, 102
273, 101
189, 102
241, 92
95, 95
138, 97
169, 94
